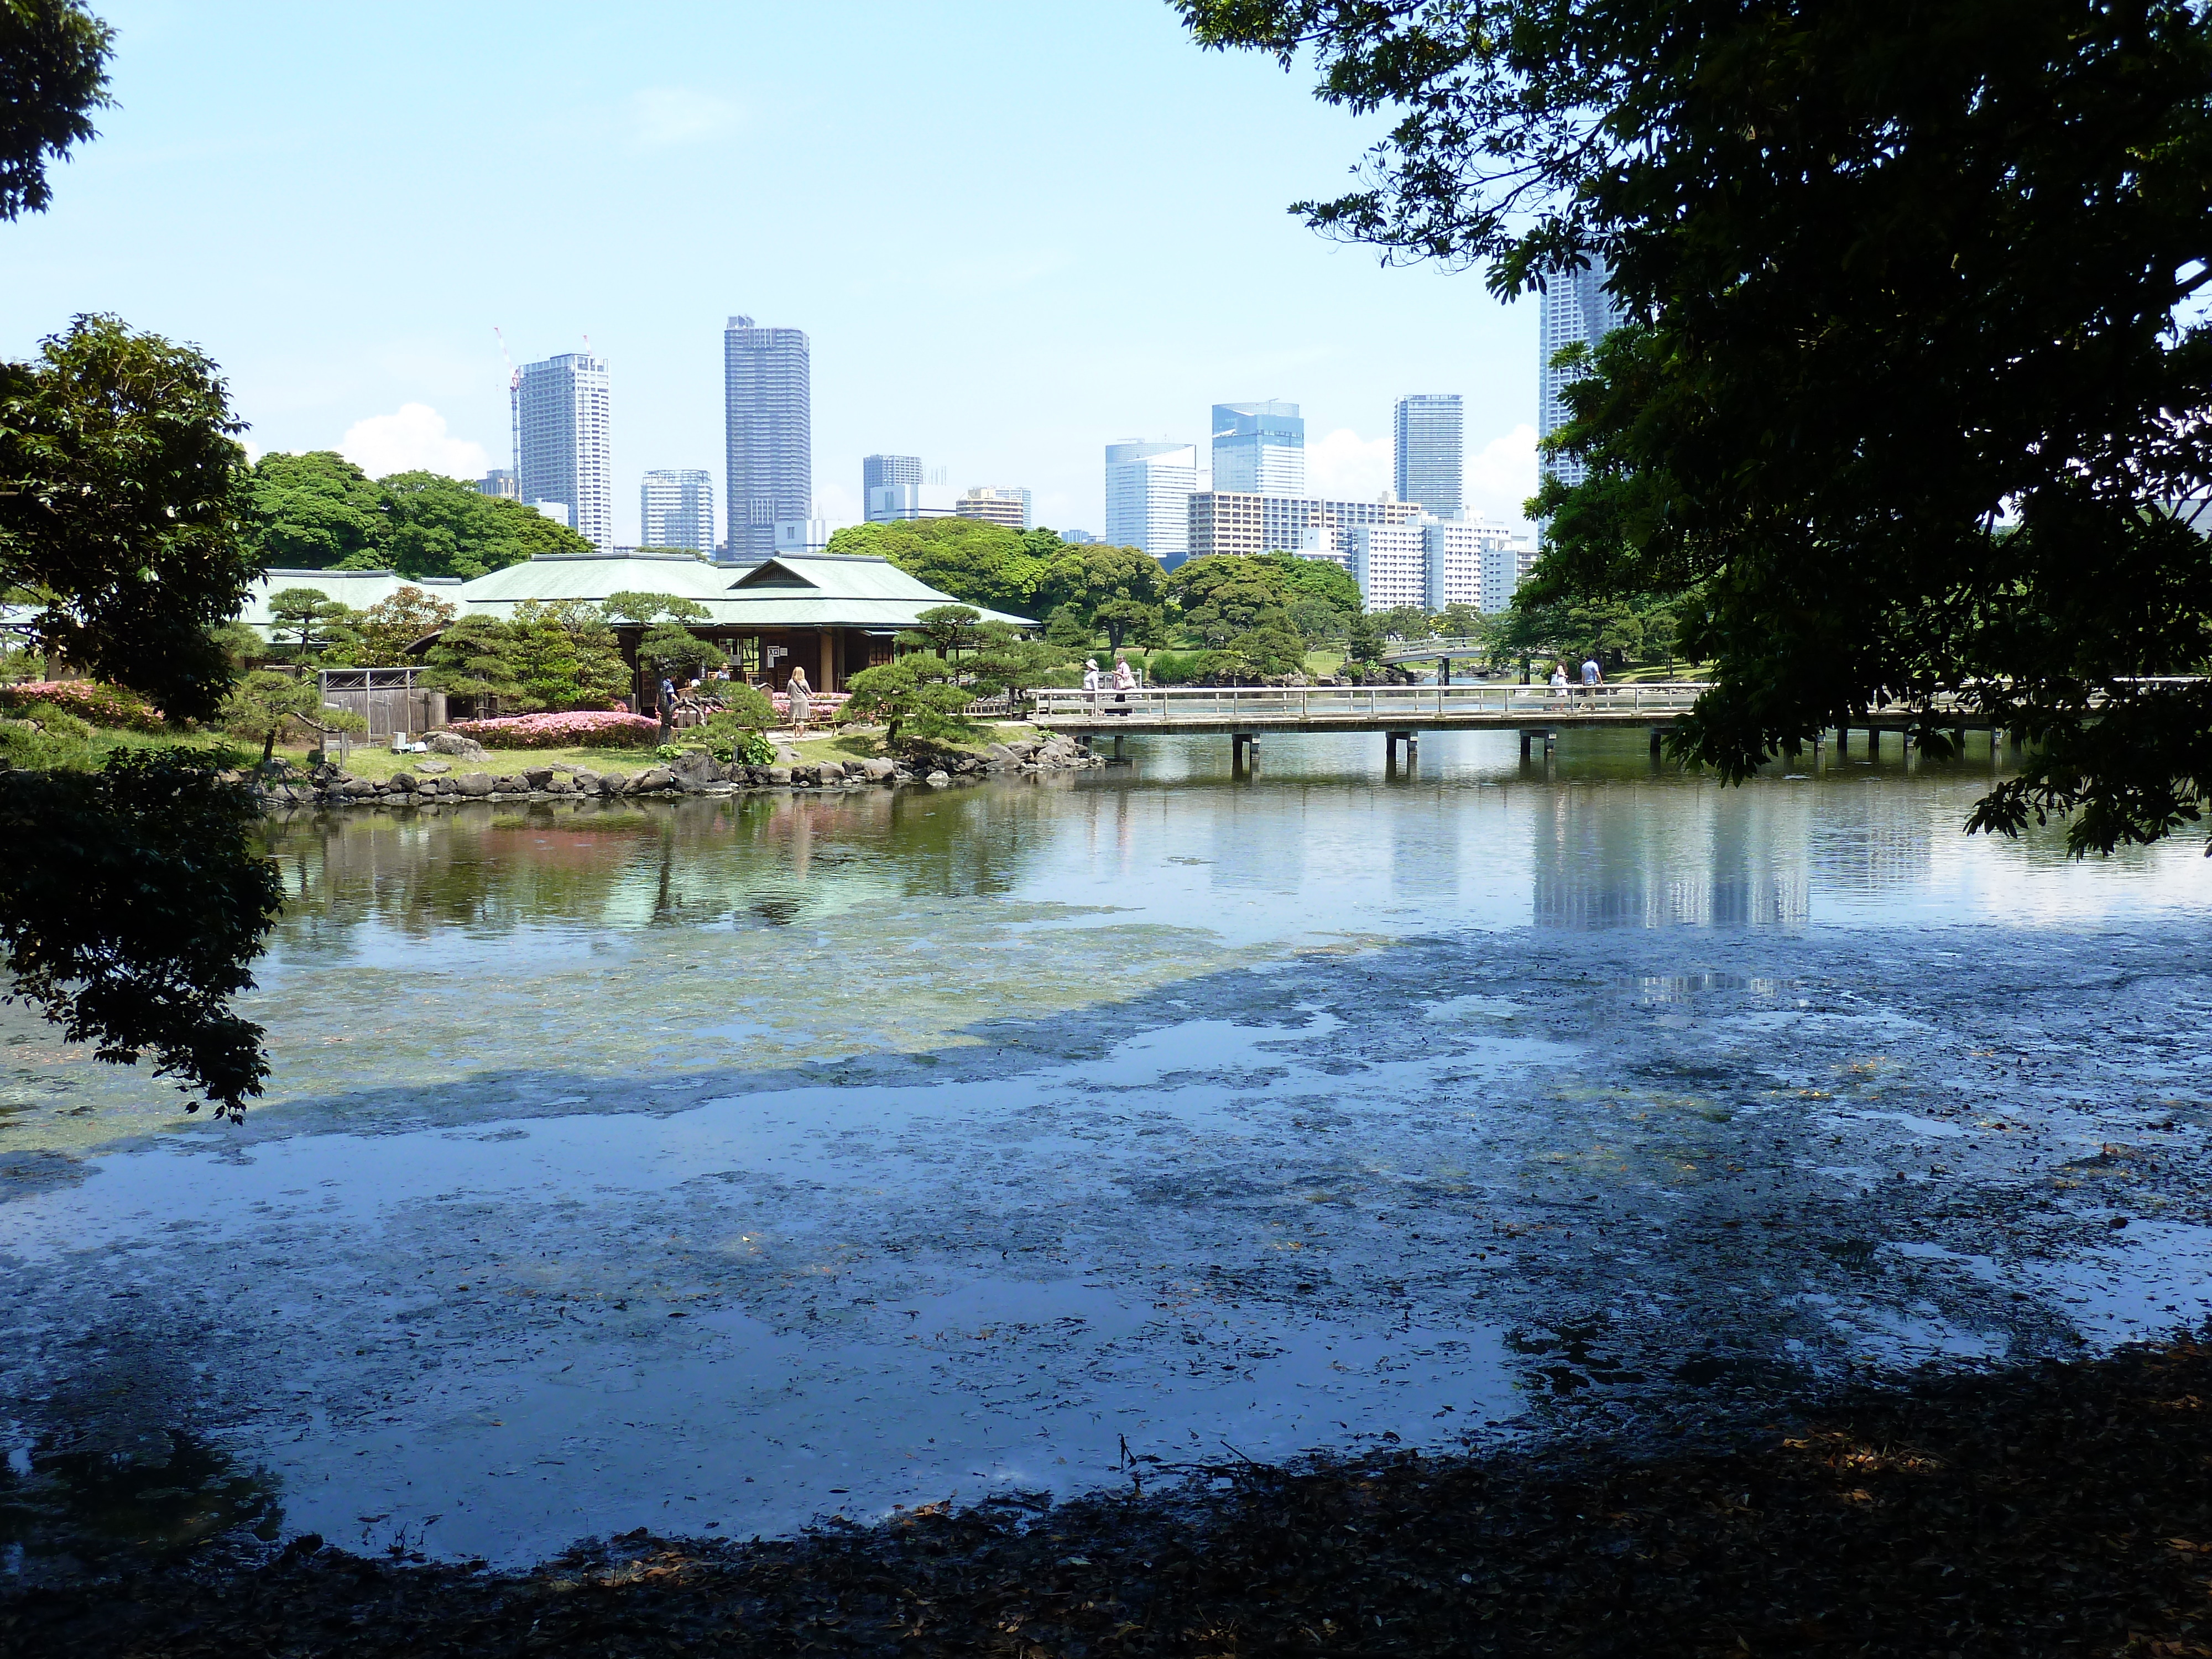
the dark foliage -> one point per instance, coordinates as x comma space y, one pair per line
53, 73
133, 925
1915, 376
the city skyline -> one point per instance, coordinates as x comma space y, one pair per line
386, 351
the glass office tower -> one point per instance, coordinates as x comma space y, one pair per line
1427, 453
1259, 449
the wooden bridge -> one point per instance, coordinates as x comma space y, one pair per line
1401, 713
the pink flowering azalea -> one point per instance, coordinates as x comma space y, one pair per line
103, 705
579, 728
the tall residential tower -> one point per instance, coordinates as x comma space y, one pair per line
1260, 448
566, 456
676, 508
768, 404
1427, 452
1576, 308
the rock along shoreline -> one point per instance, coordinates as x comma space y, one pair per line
463, 778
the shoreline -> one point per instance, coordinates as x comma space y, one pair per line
696, 773
2041, 1508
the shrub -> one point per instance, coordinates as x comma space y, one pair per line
103, 705
1168, 668
583, 728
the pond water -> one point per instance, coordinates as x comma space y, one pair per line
720, 1165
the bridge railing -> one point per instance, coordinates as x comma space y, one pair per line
1213, 704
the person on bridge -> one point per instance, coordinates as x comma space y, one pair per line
1593, 676
1125, 681
1092, 679
1558, 685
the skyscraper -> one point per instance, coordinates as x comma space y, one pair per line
1427, 451
561, 422
1576, 308
676, 508
500, 482
768, 404
1148, 491
1260, 448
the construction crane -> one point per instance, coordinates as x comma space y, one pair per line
514, 407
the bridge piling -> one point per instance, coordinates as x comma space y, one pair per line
1654, 743
1524, 745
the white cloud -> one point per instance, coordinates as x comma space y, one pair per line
661, 118
412, 441
1347, 467
1503, 475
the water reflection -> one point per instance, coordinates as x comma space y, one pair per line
67, 1507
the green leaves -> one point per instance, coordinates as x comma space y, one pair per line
1916, 370
118, 471
134, 922
53, 73
915, 697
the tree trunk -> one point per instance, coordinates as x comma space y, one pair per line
269, 747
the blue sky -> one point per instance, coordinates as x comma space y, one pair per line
1014, 232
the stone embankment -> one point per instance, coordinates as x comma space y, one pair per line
462, 774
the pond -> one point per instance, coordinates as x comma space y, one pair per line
722, 1165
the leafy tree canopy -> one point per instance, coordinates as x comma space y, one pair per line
118, 470
314, 511
389, 630
1226, 594
441, 526
53, 73
985, 564
564, 656
1916, 365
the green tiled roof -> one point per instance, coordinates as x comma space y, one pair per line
358, 588
792, 590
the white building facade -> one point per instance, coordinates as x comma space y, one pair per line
1148, 491
562, 422
676, 508
1429, 563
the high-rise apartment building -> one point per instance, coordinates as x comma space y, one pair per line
1236, 521
1430, 562
1427, 451
500, 482
676, 508
767, 404
1576, 308
889, 487
1148, 491
561, 431
1260, 448
997, 505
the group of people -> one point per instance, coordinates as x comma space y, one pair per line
1121, 681
691, 703
1593, 676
